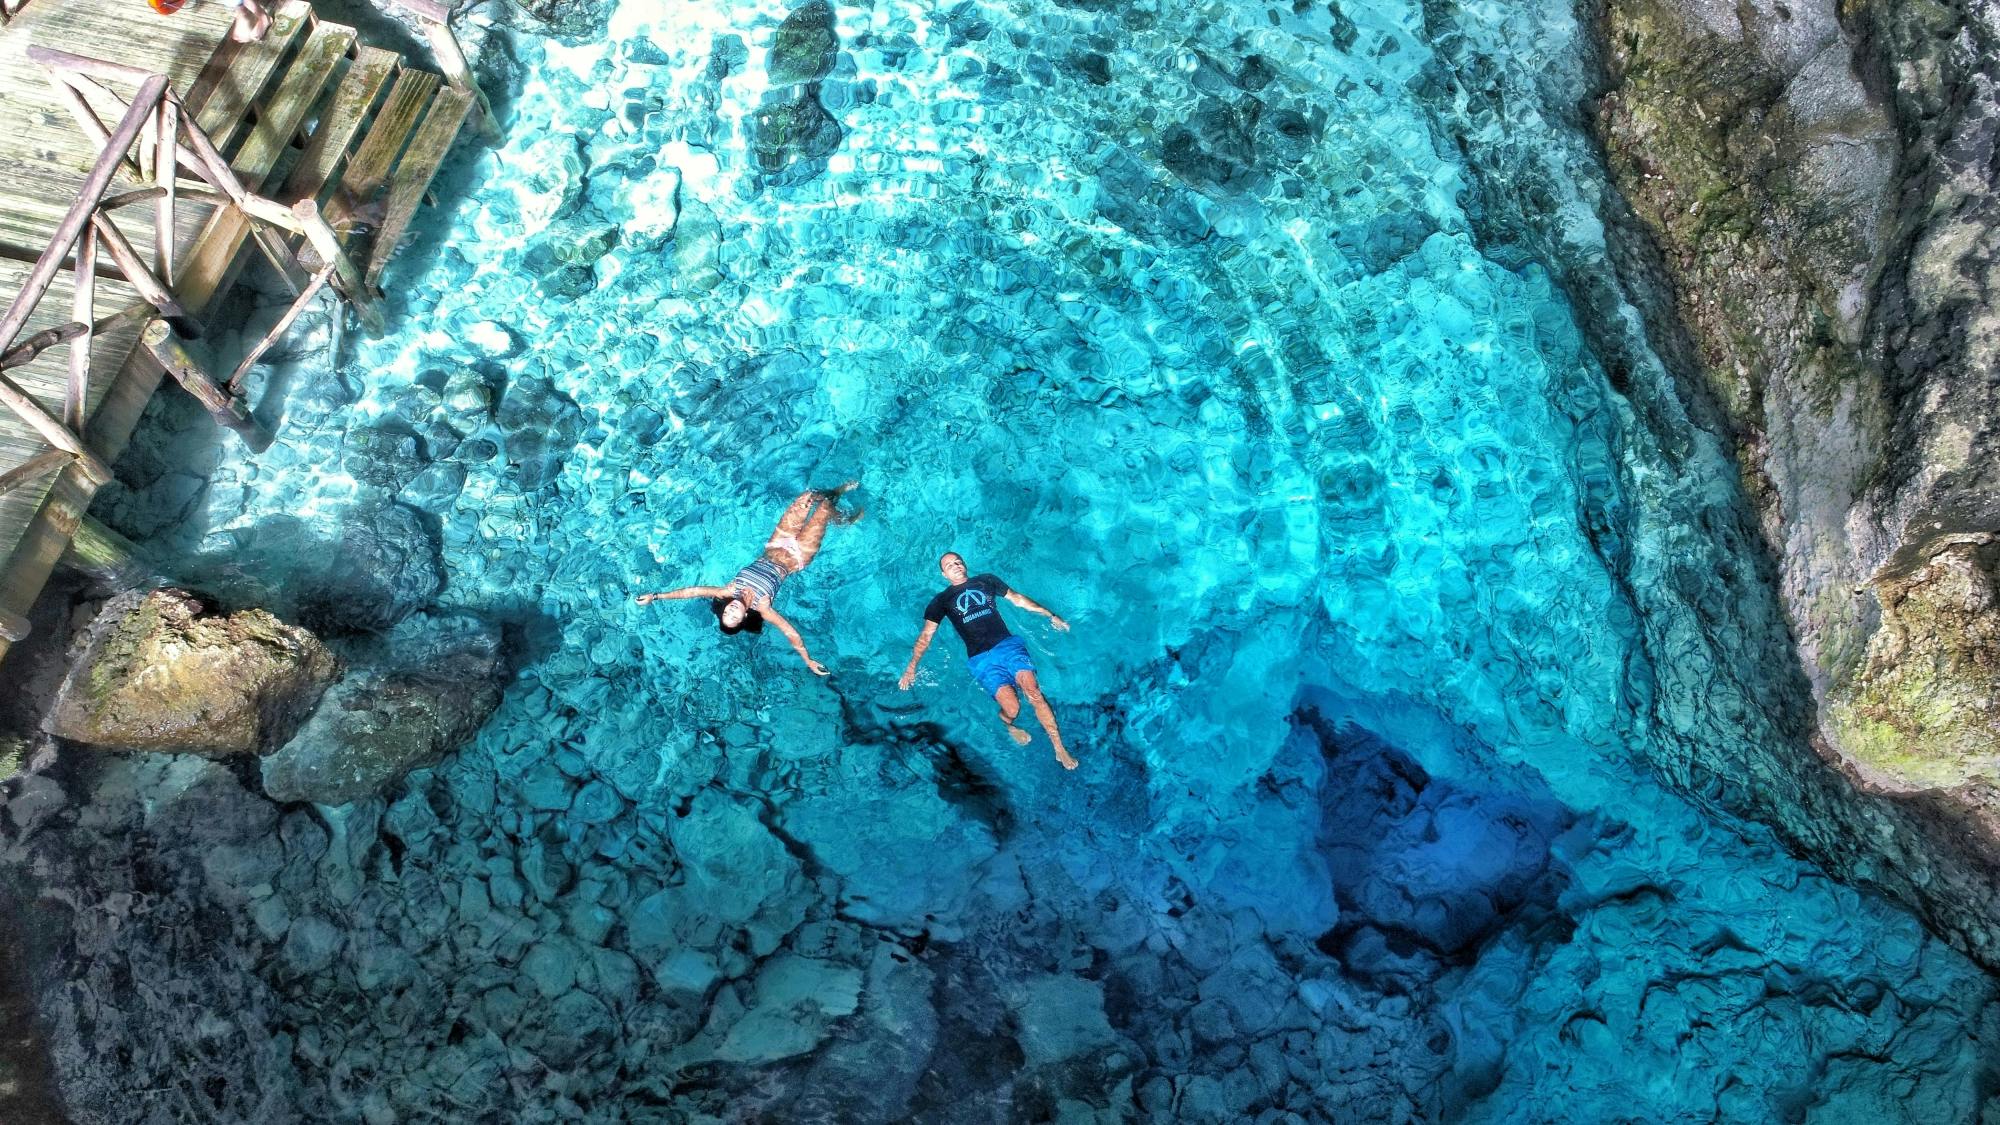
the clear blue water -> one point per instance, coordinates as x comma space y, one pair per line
1173, 316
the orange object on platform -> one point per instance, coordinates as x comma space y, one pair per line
167, 7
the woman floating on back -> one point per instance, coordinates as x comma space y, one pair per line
746, 602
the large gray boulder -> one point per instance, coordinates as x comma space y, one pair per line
411, 698
157, 671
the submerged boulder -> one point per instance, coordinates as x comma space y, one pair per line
805, 46
431, 685
793, 134
156, 671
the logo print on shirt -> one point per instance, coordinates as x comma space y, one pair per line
971, 605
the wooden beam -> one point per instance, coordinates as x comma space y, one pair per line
278, 330
106, 556
33, 469
451, 60
352, 99
347, 280
141, 278
227, 410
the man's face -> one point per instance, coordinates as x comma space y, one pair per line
953, 568
732, 614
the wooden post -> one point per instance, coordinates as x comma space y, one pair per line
166, 173
76, 399
225, 409
106, 556
347, 280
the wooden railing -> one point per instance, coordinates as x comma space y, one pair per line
169, 144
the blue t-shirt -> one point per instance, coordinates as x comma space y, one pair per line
974, 608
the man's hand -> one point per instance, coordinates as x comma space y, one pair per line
1061, 626
909, 677
645, 599
818, 669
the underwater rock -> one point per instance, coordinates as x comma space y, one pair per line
1215, 149
541, 425
793, 134
805, 46
1820, 184
405, 702
573, 21
383, 568
157, 671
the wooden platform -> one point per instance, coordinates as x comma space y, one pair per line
307, 114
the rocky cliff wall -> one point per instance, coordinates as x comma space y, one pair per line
1819, 183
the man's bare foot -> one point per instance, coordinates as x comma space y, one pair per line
252, 23
1019, 735
1062, 756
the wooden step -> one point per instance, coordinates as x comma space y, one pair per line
368, 169
238, 72
415, 171
366, 78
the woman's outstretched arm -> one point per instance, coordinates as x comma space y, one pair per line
792, 635
684, 592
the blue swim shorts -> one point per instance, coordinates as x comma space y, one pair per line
995, 668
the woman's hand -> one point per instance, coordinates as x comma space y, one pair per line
645, 599
1061, 626
818, 669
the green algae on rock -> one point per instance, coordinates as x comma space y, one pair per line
1924, 711
156, 671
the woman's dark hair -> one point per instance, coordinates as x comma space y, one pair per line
752, 620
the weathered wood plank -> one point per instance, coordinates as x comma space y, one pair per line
357, 94
368, 170
297, 92
415, 171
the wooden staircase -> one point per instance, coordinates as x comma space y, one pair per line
305, 109
308, 149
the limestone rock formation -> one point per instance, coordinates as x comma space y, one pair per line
156, 671
1820, 182
424, 690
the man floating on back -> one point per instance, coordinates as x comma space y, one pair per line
997, 658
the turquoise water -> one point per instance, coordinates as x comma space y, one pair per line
1174, 317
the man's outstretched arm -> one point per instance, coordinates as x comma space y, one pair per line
916, 654
1033, 606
